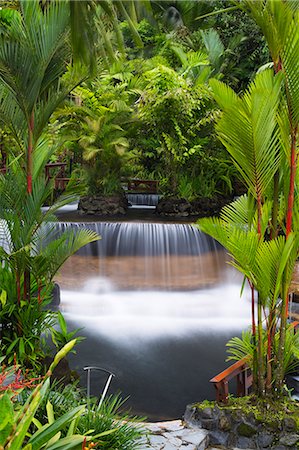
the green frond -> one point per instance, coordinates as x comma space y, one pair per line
274, 18
224, 95
213, 45
239, 348
248, 129
239, 242
56, 252
241, 211
290, 55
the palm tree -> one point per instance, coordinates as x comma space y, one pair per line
33, 56
31, 253
34, 52
258, 130
278, 21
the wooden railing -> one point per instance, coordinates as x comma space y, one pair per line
57, 171
241, 372
146, 186
238, 370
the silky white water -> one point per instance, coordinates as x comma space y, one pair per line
157, 304
153, 314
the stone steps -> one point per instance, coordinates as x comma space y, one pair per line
173, 435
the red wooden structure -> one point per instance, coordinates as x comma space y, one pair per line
239, 371
57, 171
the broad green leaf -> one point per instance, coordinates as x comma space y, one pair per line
42, 436
69, 443
3, 298
6, 417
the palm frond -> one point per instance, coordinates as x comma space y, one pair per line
290, 55
239, 348
56, 252
248, 129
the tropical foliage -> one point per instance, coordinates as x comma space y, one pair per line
162, 74
260, 230
32, 251
21, 430
33, 52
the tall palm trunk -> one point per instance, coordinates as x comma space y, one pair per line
293, 167
282, 337
260, 351
254, 340
285, 293
29, 168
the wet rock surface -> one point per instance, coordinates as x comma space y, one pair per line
173, 435
113, 205
203, 207
236, 429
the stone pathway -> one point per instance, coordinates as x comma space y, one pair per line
173, 435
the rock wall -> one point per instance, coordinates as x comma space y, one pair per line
103, 205
233, 428
205, 207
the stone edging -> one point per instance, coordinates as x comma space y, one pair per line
173, 435
234, 428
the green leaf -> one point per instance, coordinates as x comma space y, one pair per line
3, 297
68, 443
50, 412
41, 437
26, 414
6, 417
62, 323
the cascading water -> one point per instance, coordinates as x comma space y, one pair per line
157, 303
143, 199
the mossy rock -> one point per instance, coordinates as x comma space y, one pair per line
246, 430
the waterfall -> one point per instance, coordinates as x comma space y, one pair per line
148, 255
156, 303
143, 199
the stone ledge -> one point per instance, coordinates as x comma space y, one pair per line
233, 428
173, 435
103, 205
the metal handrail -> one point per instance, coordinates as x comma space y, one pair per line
106, 387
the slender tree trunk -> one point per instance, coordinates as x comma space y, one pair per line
118, 32
260, 356
18, 283
285, 293
260, 352
133, 12
27, 285
107, 44
270, 337
274, 224
252, 309
135, 34
292, 181
282, 337
254, 341
29, 154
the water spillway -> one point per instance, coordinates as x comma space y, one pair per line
158, 303
147, 255
143, 199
